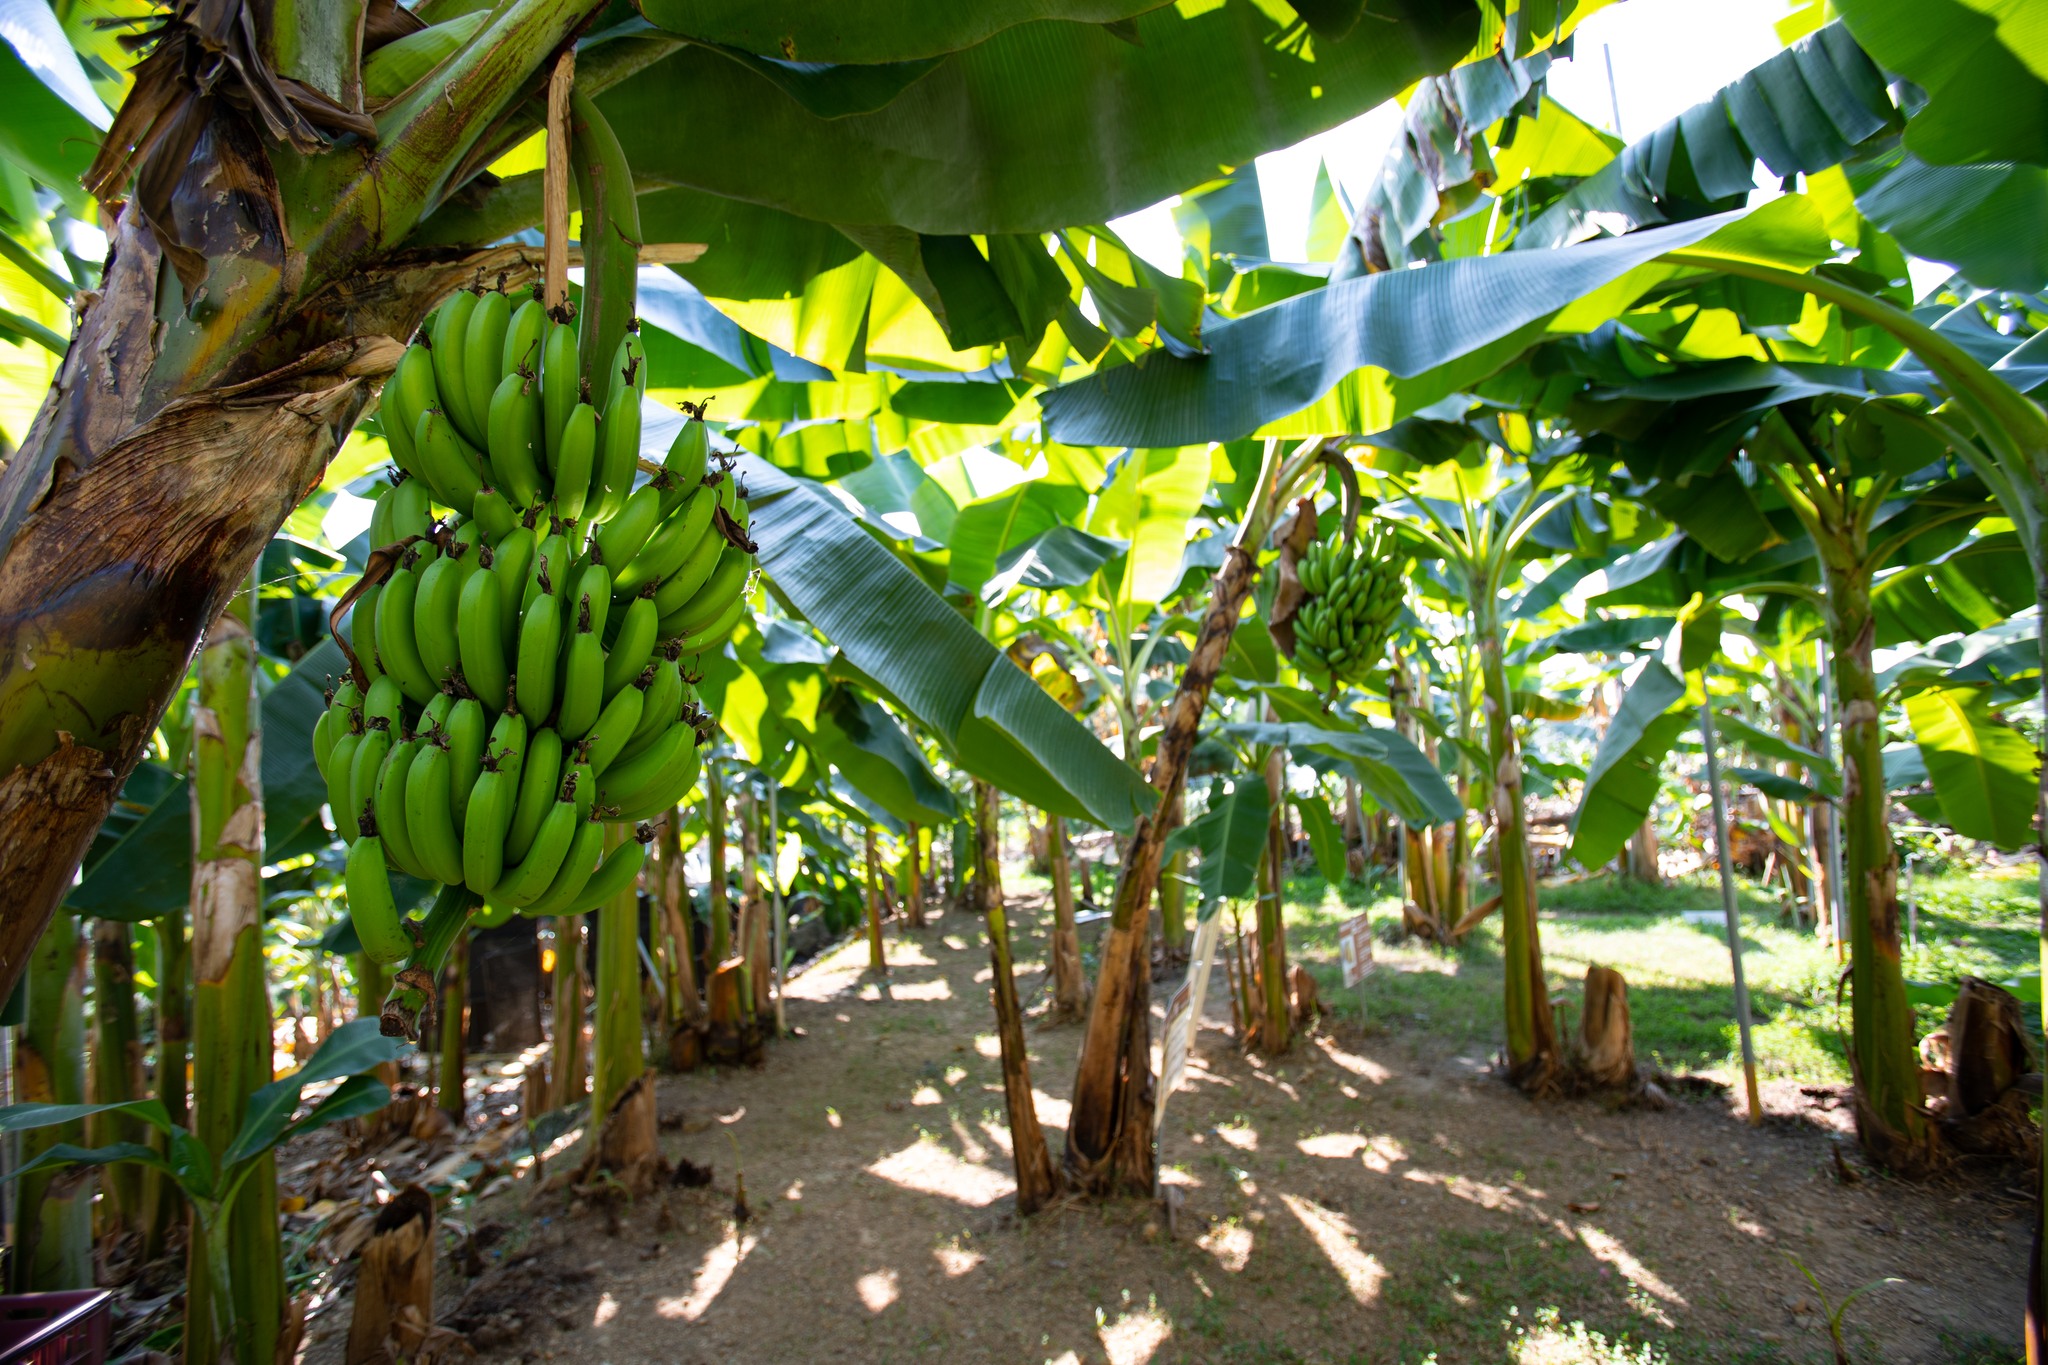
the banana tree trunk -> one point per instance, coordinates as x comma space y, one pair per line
1038, 1180
617, 1053
565, 1065
1069, 987
1276, 1033
454, 1100
878, 963
1109, 1133
1640, 856
198, 404
53, 1209
1890, 1122
116, 1068
1173, 898
685, 1005
230, 1000
720, 906
1533, 1056
913, 879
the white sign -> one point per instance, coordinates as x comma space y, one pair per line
1354, 945
1184, 1016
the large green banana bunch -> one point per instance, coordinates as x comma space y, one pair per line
1354, 595
528, 658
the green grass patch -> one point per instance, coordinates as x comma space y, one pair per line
1681, 996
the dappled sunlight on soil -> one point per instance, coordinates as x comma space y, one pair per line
1374, 1195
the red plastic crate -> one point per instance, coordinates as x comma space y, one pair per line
70, 1328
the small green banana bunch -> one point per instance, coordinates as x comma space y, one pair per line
521, 674
1354, 595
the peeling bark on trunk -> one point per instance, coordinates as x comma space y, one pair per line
1038, 1180
231, 1013
1890, 1121
53, 1210
1607, 1049
1276, 1029
395, 1286
1533, 1058
1109, 1139
686, 1015
1069, 986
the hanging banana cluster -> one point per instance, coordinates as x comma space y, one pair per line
524, 655
1354, 595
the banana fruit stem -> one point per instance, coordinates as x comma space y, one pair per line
413, 990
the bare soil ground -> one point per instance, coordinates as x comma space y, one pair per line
1362, 1199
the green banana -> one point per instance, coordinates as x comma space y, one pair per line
663, 706
665, 788
323, 736
467, 730
362, 631
483, 828
614, 726
560, 382
449, 331
540, 639
396, 648
480, 629
527, 880
575, 455
539, 779
550, 573
621, 536
430, 815
366, 763
713, 633
514, 438
452, 465
380, 513
340, 774
411, 514
371, 907
493, 516
629, 362
620, 459
633, 646
578, 775
629, 779
727, 581
581, 860
512, 561
389, 806
689, 455
481, 353
385, 701
616, 875
521, 354
680, 540
435, 610
594, 581
611, 243
409, 392
582, 678
434, 716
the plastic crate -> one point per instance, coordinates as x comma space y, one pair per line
70, 1328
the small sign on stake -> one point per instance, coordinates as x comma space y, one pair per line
1354, 946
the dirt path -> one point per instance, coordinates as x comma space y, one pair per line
1363, 1199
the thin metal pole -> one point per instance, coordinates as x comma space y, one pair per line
1723, 858
775, 899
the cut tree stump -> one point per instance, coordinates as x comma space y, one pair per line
1607, 1049
397, 1275
1981, 1074
626, 1149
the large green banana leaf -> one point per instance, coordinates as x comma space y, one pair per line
1986, 773
922, 653
1228, 838
1038, 127
1622, 783
867, 746
1391, 769
1281, 359
831, 31
1983, 68
50, 116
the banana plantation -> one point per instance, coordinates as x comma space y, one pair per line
1075, 681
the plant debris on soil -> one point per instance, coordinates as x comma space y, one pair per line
1362, 1198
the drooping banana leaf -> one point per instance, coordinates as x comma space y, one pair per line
1985, 772
1622, 783
922, 653
1228, 838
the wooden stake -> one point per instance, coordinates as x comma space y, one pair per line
555, 185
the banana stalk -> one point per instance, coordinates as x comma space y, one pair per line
116, 1053
230, 1003
52, 1215
617, 1055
